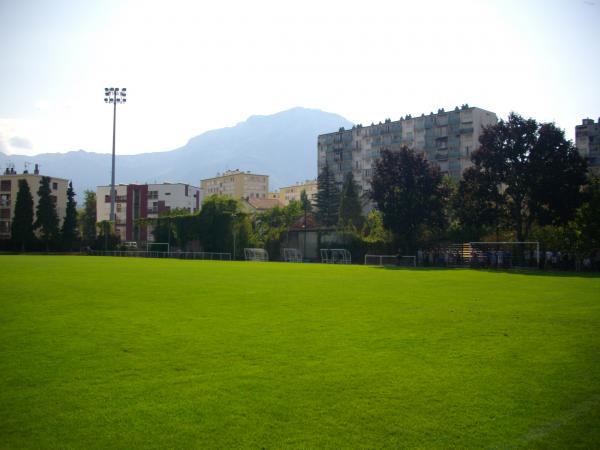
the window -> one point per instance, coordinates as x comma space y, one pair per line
5, 185
5, 213
54, 186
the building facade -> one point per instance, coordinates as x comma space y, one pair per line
292, 193
237, 184
141, 201
447, 139
9, 187
587, 141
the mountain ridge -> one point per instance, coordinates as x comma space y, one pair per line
282, 145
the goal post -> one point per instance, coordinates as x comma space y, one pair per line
335, 256
390, 260
292, 255
506, 253
256, 254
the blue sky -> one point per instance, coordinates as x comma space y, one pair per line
194, 66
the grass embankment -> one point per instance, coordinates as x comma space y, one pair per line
124, 353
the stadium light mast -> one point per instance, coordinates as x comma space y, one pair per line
114, 96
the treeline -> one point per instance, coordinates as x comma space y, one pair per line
50, 235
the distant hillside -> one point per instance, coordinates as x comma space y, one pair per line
282, 145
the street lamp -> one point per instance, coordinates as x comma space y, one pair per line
114, 96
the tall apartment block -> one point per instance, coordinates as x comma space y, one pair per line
140, 201
9, 187
236, 184
447, 139
587, 141
292, 193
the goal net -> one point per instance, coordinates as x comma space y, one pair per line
256, 254
335, 256
390, 260
505, 254
292, 255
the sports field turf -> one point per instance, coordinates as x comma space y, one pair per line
127, 353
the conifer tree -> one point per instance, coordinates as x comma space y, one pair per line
328, 198
22, 223
350, 206
69, 227
46, 217
87, 218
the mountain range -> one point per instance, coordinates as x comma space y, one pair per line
281, 145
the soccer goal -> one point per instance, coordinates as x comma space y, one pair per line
292, 255
505, 254
390, 260
335, 256
256, 254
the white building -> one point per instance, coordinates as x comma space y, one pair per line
139, 201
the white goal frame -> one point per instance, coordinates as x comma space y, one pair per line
389, 260
335, 256
292, 255
256, 254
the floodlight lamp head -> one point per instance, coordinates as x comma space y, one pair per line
124, 100
111, 89
105, 89
124, 89
105, 100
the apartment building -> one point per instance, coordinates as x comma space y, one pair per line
9, 187
237, 184
447, 139
139, 201
292, 193
587, 141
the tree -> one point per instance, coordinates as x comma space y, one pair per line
87, 218
305, 203
328, 197
476, 203
22, 223
46, 217
69, 227
531, 172
215, 224
409, 193
350, 207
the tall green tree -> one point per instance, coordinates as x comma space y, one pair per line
215, 224
46, 216
305, 203
529, 172
328, 197
87, 218
350, 206
69, 227
22, 224
409, 193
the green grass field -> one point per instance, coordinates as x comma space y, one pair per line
125, 353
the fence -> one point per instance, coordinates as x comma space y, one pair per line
176, 255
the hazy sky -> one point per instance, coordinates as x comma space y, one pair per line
194, 66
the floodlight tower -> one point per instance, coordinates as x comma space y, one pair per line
114, 96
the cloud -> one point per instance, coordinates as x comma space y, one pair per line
21, 142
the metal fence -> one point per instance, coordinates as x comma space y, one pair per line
175, 255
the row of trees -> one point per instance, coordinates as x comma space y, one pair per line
24, 223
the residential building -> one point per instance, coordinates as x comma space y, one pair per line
292, 193
446, 139
140, 201
237, 184
587, 141
9, 187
